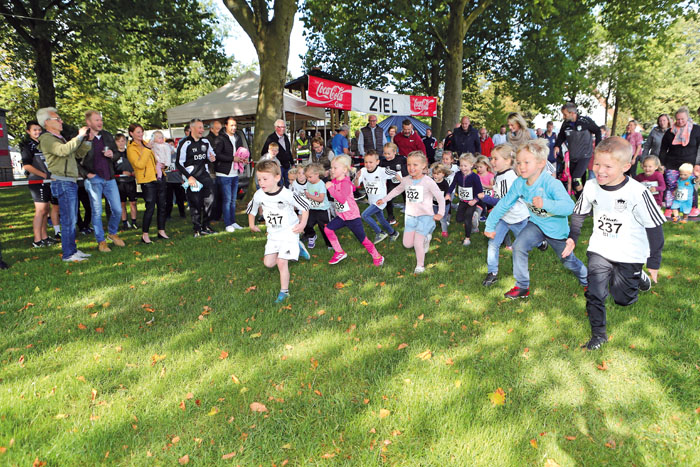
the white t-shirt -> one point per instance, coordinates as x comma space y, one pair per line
233, 171
620, 220
278, 211
375, 183
454, 168
501, 184
298, 188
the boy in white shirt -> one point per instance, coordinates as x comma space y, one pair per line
283, 224
627, 232
375, 179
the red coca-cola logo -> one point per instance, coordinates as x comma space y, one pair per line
329, 94
424, 105
421, 105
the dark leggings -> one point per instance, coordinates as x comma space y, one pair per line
84, 199
154, 193
465, 212
578, 169
320, 218
355, 225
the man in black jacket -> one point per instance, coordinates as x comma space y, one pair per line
98, 171
465, 138
225, 148
429, 143
285, 154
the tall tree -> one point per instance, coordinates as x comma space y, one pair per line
270, 36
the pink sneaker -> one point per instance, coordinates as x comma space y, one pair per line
668, 213
695, 212
378, 261
338, 256
444, 235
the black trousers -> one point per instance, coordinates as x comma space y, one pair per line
621, 280
176, 190
218, 202
201, 203
320, 218
578, 169
84, 221
390, 204
154, 194
465, 212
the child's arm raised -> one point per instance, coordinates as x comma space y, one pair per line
393, 193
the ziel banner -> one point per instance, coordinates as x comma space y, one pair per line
333, 95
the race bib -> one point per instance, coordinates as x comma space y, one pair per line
341, 207
681, 195
372, 188
650, 184
608, 226
488, 192
414, 194
315, 204
274, 220
465, 193
395, 181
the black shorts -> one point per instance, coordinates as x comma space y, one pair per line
41, 193
127, 191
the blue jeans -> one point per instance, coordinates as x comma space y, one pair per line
529, 238
371, 211
228, 187
96, 187
67, 194
501, 230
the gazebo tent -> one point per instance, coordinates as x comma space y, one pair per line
396, 120
240, 99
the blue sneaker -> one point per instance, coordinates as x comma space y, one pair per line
282, 297
303, 252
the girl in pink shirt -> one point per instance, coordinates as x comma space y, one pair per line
420, 219
341, 189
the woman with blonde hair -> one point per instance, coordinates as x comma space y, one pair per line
519, 132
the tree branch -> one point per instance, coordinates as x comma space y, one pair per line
439, 38
475, 13
247, 19
17, 24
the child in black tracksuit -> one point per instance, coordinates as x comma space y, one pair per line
397, 163
467, 186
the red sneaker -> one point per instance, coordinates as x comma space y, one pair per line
517, 292
444, 234
668, 213
695, 212
338, 256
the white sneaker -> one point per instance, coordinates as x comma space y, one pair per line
81, 254
418, 270
236, 226
466, 242
426, 243
379, 237
74, 258
230, 228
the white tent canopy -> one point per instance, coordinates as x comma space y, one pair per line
239, 98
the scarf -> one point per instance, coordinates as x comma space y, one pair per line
682, 134
519, 137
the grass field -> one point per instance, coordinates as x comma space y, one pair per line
153, 355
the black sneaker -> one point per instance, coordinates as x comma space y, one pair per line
644, 282
57, 237
48, 241
543, 246
39, 244
197, 234
4, 265
491, 278
134, 225
209, 230
517, 292
595, 343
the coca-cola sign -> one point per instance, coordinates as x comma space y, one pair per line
423, 105
324, 93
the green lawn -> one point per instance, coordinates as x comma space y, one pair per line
151, 353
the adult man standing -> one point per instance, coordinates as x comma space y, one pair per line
429, 142
227, 172
285, 154
578, 133
485, 141
551, 138
303, 146
501, 137
408, 140
61, 161
98, 171
339, 143
371, 137
465, 138
192, 157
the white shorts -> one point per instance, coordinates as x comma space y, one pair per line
285, 247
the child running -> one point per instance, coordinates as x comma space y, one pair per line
375, 180
440, 173
653, 179
341, 189
283, 225
468, 187
549, 206
627, 232
683, 197
319, 212
397, 163
515, 219
420, 218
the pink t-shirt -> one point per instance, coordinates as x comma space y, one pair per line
419, 196
486, 179
345, 205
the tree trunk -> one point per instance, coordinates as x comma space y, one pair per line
456, 30
43, 67
615, 112
435, 122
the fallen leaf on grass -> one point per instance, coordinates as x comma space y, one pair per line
3, 449
339, 285
184, 459
189, 396
252, 288
235, 379
213, 411
229, 455
257, 407
402, 346
351, 328
223, 355
498, 397
533, 443
255, 335
551, 463
175, 440
328, 455
82, 326
570, 438
321, 312
155, 358
38, 463
182, 405
383, 413
93, 395
61, 416
427, 355
99, 330
21, 360
603, 366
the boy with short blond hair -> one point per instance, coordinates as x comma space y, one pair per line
375, 179
549, 206
283, 224
627, 232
